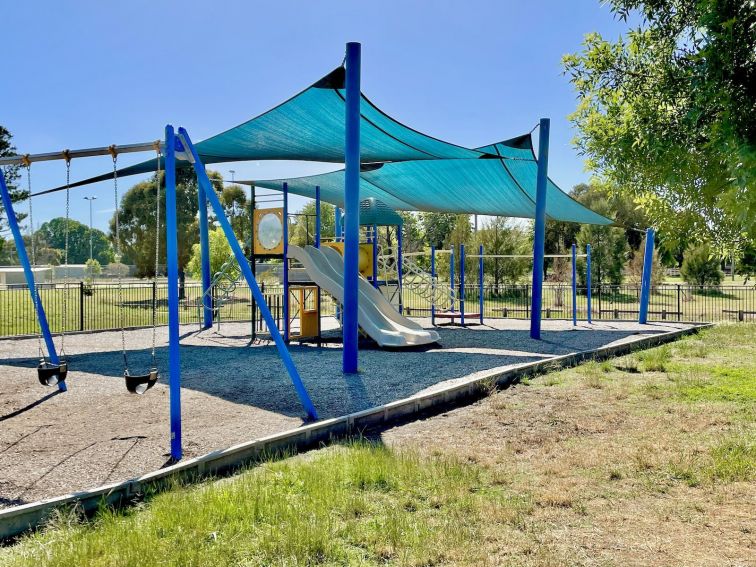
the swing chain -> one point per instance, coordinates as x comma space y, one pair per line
157, 253
119, 277
67, 157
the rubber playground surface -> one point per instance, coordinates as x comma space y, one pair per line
52, 444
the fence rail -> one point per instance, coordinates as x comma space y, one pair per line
101, 306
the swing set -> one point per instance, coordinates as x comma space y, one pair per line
54, 364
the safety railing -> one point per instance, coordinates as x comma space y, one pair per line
97, 306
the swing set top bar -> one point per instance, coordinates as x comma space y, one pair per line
524, 255
25, 159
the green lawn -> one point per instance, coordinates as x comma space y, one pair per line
595, 457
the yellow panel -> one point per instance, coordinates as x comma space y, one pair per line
365, 261
260, 248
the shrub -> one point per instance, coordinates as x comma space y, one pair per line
701, 267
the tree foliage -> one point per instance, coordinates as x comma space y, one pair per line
701, 267
11, 177
501, 237
303, 227
220, 252
53, 233
668, 114
437, 227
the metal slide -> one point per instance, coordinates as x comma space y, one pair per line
377, 317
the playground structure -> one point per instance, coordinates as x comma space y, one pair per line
372, 145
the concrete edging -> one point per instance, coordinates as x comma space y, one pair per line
18, 519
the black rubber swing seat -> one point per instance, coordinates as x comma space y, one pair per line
140, 383
50, 374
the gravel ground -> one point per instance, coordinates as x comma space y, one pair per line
97, 432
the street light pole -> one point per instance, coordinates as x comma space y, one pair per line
90, 199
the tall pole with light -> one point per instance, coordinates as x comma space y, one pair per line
90, 199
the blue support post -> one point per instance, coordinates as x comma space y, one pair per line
433, 285
317, 216
350, 325
452, 280
480, 281
399, 260
375, 256
648, 266
283, 352
286, 304
207, 308
588, 290
574, 284
539, 238
462, 284
171, 252
44, 327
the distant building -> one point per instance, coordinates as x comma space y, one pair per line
14, 275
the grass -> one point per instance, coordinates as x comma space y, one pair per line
581, 466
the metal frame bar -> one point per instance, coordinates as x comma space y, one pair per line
171, 250
588, 281
399, 269
207, 306
462, 284
433, 285
23, 159
375, 256
480, 281
574, 284
29, 275
350, 326
452, 279
539, 238
648, 266
202, 179
286, 299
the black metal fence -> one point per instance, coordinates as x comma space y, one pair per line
82, 307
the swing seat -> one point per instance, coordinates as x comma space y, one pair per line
140, 383
50, 374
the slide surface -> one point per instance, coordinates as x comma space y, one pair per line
377, 317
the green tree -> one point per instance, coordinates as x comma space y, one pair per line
701, 266
413, 236
437, 227
609, 250
237, 211
11, 177
138, 223
53, 233
634, 268
668, 114
220, 252
303, 228
500, 237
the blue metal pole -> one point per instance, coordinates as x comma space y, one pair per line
205, 260
480, 281
539, 238
648, 266
588, 290
462, 284
286, 261
452, 280
352, 208
283, 352
171, 251
399, 260
574, 284
29, 274
433, 285
375, 256
317, 216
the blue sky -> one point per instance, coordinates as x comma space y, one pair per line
92, 73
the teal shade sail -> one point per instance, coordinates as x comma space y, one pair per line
502, 183
375, 212
310, 126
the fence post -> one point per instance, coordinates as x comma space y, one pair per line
81, 306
